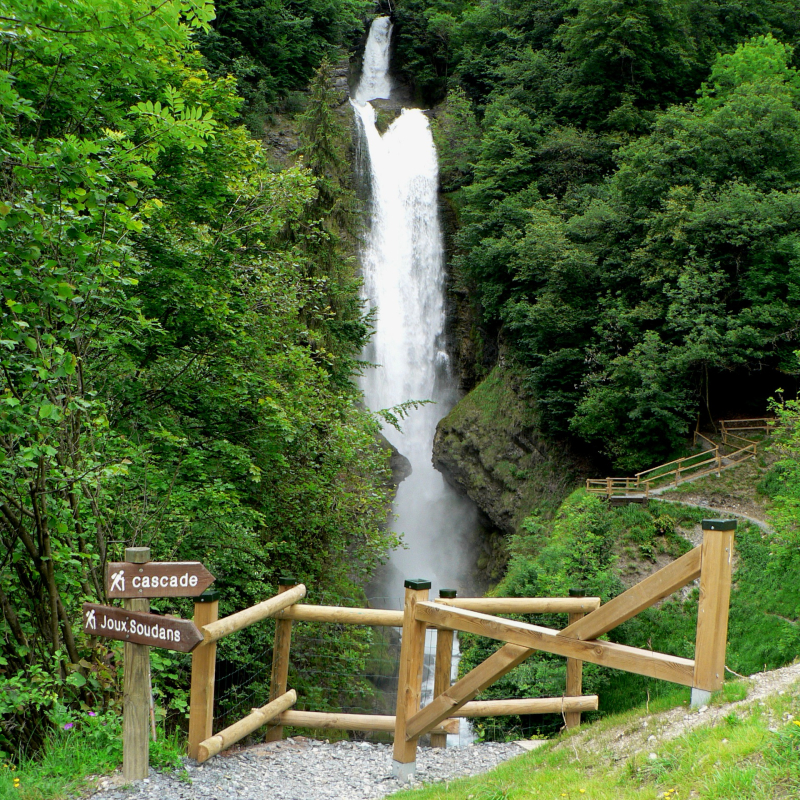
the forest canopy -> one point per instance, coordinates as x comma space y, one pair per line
625, 175
179, 330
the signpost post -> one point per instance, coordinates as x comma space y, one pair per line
135, 580
136, 690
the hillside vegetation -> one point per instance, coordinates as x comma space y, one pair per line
179, 333
602, 550
626, 179
745, 746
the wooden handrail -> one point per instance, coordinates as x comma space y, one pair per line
750, 448
346, 616
523, 605
352, 722
536, 705
233, 733
678, 461
698, 435
750, 442
242, 619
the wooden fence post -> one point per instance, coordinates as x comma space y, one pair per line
204, 663
409, 679
444, 666
136, 691
280, 659
712, 611
572, 719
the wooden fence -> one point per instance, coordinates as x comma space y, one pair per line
285, 609
713, 459
578, 642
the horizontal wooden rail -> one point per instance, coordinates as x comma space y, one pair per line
732, 435
488, 605
253, 721
214, 631
682, 466
344, 615
656, 587
734, 423
351, 722
523, 605
750, 449
606, 654
537, 705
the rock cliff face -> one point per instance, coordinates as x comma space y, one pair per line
490, 446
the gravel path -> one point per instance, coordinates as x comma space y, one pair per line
305, 769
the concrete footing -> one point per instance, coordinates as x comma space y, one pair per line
403, 771
700, 697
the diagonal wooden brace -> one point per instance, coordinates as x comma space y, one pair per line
648, 592
607, 654
461, 692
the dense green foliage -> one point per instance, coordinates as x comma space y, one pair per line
627, 177
274, 47
602, 550
178, 332
81, 746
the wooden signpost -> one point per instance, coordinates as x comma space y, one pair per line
157, 579
139, 627
135, 580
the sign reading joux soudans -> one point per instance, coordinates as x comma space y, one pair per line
140, 627
157, 579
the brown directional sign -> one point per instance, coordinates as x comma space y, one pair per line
157, 579
140, 627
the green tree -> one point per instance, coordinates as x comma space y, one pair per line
161, 383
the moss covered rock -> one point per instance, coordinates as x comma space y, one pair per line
491, 447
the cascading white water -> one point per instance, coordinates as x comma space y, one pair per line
403, 270
375, 82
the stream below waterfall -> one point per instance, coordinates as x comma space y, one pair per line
403, 270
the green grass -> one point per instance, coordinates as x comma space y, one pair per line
91, 747
738, 759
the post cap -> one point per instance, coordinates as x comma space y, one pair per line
577, 592
417, 583
137, 555
287, 580
448, 592
208, 596
719, 524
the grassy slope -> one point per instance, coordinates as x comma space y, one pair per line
751, 753
80, 749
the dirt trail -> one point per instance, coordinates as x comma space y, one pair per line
644, 735
723, 511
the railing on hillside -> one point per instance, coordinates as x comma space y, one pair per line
616, 487
711, 562
713, 459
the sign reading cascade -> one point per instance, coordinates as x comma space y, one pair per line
157, 579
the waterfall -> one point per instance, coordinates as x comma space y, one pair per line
375, 82
403, 272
